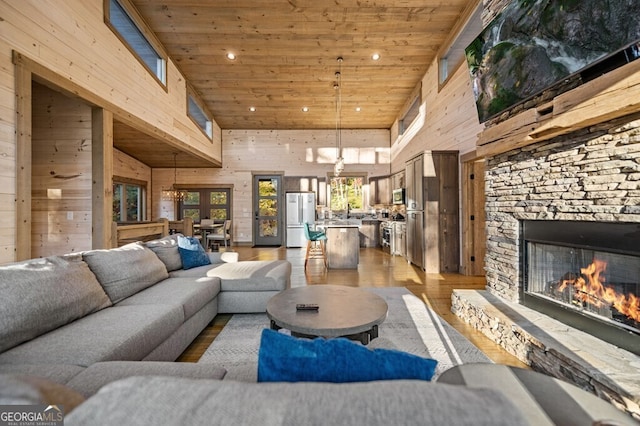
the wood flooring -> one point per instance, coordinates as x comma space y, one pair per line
376, 269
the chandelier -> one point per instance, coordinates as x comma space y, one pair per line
339, 166
173, 193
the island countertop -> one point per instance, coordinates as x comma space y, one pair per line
339, 223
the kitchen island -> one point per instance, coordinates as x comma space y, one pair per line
343, 243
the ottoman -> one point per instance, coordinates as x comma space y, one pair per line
245, 287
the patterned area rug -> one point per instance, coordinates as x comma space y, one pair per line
410, 326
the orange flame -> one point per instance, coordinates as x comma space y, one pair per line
591, 290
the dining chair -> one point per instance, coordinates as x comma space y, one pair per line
224, 234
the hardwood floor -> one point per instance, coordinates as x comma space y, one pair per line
376, 269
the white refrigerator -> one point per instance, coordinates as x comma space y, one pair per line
301, 208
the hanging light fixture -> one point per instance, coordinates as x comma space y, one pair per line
173, 193
339, 166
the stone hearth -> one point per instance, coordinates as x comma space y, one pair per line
553, 348
592, 175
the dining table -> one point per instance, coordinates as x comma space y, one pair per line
205, 230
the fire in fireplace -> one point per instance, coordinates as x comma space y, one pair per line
586, 274
589, 290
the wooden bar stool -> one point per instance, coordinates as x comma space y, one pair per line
315, 245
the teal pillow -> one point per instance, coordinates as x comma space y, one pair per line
192, 253
284, 358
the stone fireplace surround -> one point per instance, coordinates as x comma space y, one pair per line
590, 175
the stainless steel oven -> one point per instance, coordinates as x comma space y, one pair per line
387, 236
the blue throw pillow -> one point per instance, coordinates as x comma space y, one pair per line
192, 253
284, 358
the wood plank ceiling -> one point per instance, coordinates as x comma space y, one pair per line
287, 54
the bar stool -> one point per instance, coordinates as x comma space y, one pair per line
315, 245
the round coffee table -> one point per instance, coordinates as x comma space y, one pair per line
342, 312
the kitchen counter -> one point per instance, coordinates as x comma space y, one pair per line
343, 243
339, 223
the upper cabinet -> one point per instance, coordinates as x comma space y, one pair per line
397, 180
380, 190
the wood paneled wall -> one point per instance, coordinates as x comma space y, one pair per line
61, 177
449, 123
62, 174
70, 46
291, 152
450, 120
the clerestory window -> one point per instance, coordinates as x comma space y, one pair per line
136, 37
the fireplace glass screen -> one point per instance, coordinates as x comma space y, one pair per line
597, 283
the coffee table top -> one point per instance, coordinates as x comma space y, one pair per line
342, 310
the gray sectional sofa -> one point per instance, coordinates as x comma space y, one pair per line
99, 313
471, 394
96, 332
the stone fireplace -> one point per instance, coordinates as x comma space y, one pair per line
590, 176
585, 181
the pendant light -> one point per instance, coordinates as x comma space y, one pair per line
339, 166
173, 193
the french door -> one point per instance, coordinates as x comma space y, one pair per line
206, 203
268, 214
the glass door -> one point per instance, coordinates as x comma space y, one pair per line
267, 229
206, 203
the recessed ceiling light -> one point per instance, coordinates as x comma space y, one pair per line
375, 56
357, 109
305, 109
231, 56
252, 109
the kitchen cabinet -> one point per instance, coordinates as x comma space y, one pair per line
432, 211
397, 180
370, 233
414, 174
380, 190
400, 238
415, 240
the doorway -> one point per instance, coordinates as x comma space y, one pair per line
268, 212
206, 203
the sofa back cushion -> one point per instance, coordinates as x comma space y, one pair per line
166, 248
40, 295
125, 270
192, 253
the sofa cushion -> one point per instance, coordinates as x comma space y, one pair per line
189, 293
174, 401
253, 275
192, 253
40, 295
126, 270
101, 373
283, 358
166, 248
126, 333
59, 373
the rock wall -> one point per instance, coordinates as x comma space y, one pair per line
592, 175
